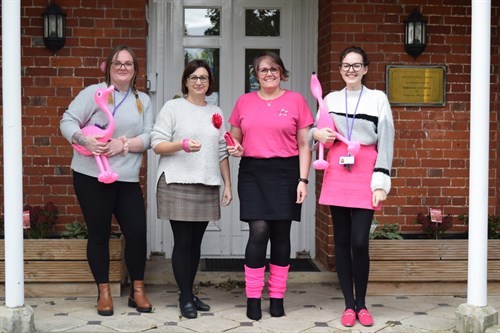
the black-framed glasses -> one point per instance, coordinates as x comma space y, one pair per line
194, 78
355, 67
264, 71
119, 65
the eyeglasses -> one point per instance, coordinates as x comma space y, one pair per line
264, 71
118, 65
194, 79
355, 67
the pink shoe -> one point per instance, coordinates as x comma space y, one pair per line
365, 318
348, 318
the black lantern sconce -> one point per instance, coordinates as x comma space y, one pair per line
54, 28
415, 29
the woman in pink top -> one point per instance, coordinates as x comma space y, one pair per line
272, 125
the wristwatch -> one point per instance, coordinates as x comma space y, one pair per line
304, 180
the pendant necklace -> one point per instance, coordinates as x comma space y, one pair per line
267, 101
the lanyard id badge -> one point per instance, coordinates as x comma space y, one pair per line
347, 161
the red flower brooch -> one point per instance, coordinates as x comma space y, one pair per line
217, 120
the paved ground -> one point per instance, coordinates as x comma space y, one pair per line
310, 307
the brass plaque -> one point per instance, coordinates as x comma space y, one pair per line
416, 85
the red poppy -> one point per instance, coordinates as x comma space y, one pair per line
217, 120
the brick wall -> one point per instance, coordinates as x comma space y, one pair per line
431, 155
50, 82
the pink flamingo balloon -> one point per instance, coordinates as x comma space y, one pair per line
106, 175
325, 120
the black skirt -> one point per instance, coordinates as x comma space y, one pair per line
267, 189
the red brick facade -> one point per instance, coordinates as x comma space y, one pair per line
50, 81
432, 144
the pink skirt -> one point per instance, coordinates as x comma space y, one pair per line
349, 189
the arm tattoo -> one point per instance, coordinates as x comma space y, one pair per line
79, 138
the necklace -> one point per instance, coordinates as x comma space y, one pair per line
269, 102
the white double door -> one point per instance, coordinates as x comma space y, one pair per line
224, 32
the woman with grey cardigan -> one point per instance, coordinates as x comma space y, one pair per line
189, 137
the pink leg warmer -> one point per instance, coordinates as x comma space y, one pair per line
254, 281
277, 280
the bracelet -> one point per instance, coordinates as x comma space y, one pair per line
126, 145
304, 180
185, 145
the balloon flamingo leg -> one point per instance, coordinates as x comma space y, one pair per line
106, 175
325, 120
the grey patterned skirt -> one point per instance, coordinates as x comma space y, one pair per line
187, 202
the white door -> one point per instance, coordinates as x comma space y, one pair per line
228, 34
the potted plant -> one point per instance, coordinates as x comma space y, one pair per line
434, 230
56, 264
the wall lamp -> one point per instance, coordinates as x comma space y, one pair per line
415, 30
54, 28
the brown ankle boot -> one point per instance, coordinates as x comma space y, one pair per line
138, 299
104, 300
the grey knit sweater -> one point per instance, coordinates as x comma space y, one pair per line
83, 111
178, 119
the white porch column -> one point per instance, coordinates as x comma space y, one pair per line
477, 290
12, 152
476, 315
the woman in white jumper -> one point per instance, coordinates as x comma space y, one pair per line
189, 137
355, 186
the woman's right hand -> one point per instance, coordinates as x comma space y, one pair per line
324, 135
95, 146
236, 150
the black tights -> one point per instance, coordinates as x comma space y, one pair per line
351, 227
186, 255
99, 202
260, 233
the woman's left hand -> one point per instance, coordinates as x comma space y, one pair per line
301, 192
114, 147
227, 196
378, 196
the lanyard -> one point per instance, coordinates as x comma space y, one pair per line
349, 130
119, 104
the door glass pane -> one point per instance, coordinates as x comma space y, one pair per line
262, 22
212, 57
201, 21
251, 82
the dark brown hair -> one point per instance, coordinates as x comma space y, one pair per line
190, 68
274, 59
357, 50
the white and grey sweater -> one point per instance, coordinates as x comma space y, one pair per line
373, 125
178, 119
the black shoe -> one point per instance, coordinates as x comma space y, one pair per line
254, 311
200, 306
188, 310
276, 308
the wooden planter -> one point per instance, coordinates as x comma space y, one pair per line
58, 267
426, 267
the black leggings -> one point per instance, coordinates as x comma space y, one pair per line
99, 202
260, 233
351, 227
186, 255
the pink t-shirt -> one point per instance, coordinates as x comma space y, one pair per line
271, 130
